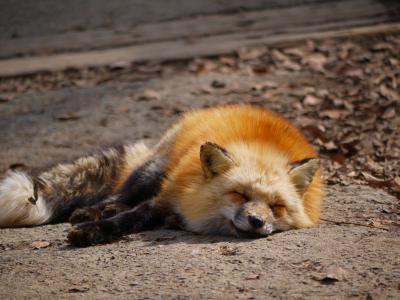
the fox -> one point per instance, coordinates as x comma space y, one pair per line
234, 170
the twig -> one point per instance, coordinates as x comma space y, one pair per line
352, 223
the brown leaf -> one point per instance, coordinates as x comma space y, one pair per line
200, 66
6, 97
374, 181
388, 93
395, 184
121, 109
251, 53
253, 277
228, 251
311, 100
278, 55
389, 113
120, 65
149, 94
69, 116
227, 60
334, 113
332, 275
330, 146
264, 85
358, 73
260, 69
16, 166
40, 244
316, 61
217, 84
290, 65
295, 52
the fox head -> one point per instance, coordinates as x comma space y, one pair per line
249, 190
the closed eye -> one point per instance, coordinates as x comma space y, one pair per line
238, 197
278, 210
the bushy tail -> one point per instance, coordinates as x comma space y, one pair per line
18, 204
53, 195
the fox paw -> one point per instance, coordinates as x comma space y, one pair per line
85, 214
113, 209
91, 233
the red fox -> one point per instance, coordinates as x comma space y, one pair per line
231, 170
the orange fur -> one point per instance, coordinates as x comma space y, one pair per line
226, 126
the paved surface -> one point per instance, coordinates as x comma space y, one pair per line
355, 258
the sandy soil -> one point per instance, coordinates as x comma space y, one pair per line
354, 253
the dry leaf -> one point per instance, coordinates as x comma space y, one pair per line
316, 61
69, 116
389, 113
149, 94
332, 275
217, 84
253, 277
334, 113
227, 60
6, 97
228, 251
39, 244
252, 53
311, 100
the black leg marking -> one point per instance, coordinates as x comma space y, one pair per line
145, 216
144, 183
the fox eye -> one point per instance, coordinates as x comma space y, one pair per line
238, 197
278, 210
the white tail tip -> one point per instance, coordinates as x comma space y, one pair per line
15, 208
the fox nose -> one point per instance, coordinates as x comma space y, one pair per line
256, 221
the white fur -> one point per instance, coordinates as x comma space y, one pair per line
15, 208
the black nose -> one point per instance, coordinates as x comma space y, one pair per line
256, 221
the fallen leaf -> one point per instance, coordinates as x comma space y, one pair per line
78, 290
120, 65
251, 53
201, 66
228, 251
332, 275
253, 277
16, 166
149, 94
227, 60
6, 97
389, 113
39, 244
260, 69
316, 61
334, 113
264, 86
217, 84
69, 116
311, 100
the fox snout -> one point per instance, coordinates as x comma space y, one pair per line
254, 218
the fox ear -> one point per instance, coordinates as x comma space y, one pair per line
214, 159
302, 173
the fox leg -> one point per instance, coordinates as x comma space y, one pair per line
102, 210
145, 216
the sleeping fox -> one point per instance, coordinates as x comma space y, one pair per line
231, 170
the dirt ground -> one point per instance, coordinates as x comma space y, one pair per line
342, 93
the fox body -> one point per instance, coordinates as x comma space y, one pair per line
230, 170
